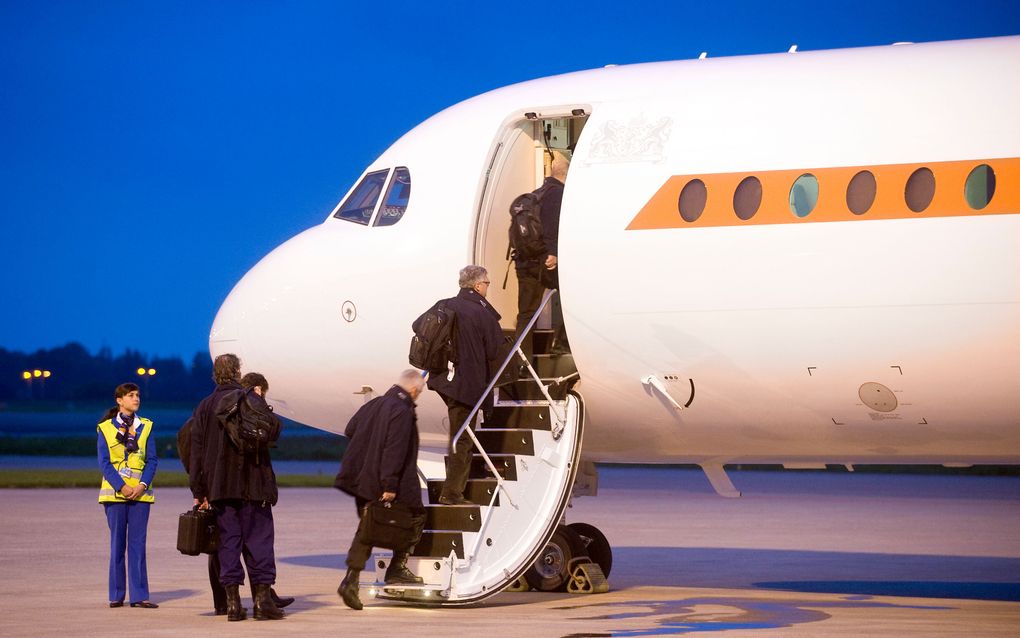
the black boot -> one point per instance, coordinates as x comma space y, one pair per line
234, 609
348, 589
281, 602
398, 573
265, 608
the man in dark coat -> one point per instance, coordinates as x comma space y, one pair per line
536, 274
479, 339
240, 487
380, 463
219, 594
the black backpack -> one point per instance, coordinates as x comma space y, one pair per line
526, 226
249, 422
435, 338
184, 443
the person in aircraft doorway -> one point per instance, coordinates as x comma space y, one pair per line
479, 341
536, 274
381, 463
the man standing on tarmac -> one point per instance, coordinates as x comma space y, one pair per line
380, 463
479, 339
531, 280
259, 385
240, 491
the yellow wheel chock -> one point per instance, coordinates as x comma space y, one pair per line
586, 577
519, 585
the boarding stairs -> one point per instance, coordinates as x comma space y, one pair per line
525, 460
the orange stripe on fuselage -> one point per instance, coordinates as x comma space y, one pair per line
662, 209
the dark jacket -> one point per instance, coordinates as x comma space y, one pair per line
382, 455
479, 338
552, 200
218, 469
551, 195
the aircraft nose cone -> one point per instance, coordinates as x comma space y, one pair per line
225, 334
255, 317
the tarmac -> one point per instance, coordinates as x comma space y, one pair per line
800, 554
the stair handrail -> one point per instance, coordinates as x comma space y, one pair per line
515, 351
465, 427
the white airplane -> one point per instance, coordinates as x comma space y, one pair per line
805, 258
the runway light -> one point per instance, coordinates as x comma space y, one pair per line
26, 375
37, 373
152, 371
46, 374
141, 372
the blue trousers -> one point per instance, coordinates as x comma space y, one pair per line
129, 522
246, 523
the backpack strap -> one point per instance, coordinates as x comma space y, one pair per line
506, 276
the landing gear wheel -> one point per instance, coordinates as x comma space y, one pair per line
594, 542
550, 571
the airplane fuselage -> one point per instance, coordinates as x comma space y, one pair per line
791, 327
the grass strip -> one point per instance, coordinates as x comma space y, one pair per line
314, 447
91, 478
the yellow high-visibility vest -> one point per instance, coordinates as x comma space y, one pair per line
130, 468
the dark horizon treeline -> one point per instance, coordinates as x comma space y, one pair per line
77, 375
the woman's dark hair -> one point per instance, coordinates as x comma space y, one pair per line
253, 379
226, 368
122, 390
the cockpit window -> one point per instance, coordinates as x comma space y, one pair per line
396, 198
361, 203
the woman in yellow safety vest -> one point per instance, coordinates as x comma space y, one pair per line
127, 459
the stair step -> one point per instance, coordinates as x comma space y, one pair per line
439, 544
528, 390
503, 441
454, 518
551, 367
506, 466
533, 417
541, 339
478, 491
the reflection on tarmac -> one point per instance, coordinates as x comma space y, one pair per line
695, 615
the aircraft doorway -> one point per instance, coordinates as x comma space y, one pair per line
522, 161
520, 164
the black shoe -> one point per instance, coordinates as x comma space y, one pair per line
116, 603
220, 611
454, 500
265, 608
145, 605
402, 576
281, 602
348, 589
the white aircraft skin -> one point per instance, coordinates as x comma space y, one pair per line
776, 325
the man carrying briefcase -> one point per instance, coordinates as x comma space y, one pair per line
380, 464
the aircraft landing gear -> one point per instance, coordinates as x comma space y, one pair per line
551, 570
596, 545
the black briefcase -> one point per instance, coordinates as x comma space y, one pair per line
197, 532
391, 525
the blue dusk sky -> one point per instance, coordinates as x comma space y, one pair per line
152, 152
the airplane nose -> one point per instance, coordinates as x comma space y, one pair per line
253, 320
225, 334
